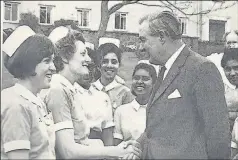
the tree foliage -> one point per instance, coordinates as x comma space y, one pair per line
30, 20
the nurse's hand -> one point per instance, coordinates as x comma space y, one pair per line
133, 148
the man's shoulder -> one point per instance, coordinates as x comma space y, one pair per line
197, 60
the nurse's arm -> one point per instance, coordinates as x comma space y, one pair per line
58, 103
118, 136
68, 149
16, 125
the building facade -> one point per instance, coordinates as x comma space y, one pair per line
207, 27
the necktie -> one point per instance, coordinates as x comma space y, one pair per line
157, 83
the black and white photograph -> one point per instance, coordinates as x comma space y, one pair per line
113, 79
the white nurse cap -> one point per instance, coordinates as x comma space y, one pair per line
58, 33
19, 35
233, 38
104, 40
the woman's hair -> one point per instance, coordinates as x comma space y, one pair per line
66, 48
229, 54
94, 56
106, 48
149, 68
30, 53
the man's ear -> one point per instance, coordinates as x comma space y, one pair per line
161, 35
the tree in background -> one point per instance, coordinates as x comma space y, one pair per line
174, 6
30, 20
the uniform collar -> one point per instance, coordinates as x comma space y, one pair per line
171, 60
110, 86
136, 105
57, 78
28, 95
80, 89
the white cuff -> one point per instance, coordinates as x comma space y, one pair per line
63, 125
118, 136
108, 124
233, 145
17, 144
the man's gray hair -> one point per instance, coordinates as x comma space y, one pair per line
165, 22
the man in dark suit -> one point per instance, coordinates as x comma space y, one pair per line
187, 117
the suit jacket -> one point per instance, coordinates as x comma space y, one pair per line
195, 125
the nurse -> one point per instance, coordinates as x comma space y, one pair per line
130, 119
72, 61
26, 131
110, 60
96, 105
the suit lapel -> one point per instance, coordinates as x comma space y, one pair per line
172, 74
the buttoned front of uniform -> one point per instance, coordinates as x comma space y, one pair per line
97, 107
119, 94
130, 121
23, 120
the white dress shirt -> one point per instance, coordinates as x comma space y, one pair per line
172, 59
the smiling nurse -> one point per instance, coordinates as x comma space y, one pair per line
72, 61
26, 131
110, 60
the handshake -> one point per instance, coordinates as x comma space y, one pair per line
131, 149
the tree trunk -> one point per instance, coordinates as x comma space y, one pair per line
104, 21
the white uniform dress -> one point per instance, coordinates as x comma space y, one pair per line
130, 121
25, 124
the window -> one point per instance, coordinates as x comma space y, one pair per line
11, 11
45, 14
183, 22
83, 17
120, 21
216, 30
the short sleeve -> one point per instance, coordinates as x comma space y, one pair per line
16, 127
117, 130
234, 141
59, 103
108, 119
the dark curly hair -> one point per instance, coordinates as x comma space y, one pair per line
66, 48
106, 48
230, 54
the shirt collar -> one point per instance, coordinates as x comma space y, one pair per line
110, 86
28, 95
57, 78
136, 105
80, 89
171, 60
